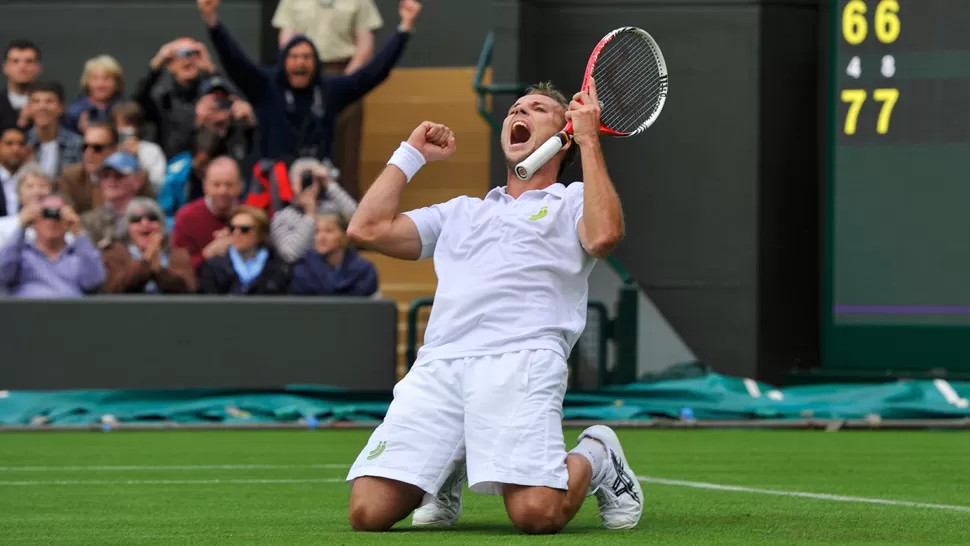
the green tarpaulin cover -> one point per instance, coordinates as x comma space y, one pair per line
704, 395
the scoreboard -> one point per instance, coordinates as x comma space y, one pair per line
897, 223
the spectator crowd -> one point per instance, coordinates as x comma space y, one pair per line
234, 181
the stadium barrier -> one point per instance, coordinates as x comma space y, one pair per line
198, 342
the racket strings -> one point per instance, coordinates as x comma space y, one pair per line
629, 82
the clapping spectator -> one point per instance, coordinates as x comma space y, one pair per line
344, 36
172, 111
49, 255
249, 267
54, 146
332, 267
31, 186
102, 83
13, 155
119, 179
297, 105
293, 227
79, 182
200, 226
144, 262
21, 66
221, 111
128, 119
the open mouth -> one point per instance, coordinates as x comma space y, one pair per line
520, 133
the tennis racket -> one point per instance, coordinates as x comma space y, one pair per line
631, 86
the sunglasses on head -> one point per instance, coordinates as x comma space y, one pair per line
96, 147
240, 229
135, 218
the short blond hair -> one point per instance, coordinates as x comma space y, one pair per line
547, 89
108, 64
260, 220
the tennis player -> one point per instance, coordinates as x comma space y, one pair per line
489, 381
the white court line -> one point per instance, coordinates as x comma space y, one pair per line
171, 467
173, 482
816, 496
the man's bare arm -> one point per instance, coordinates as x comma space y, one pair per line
378, 225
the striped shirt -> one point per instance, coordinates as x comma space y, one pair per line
27, 272
293, 231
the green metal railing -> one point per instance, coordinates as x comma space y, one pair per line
604, 332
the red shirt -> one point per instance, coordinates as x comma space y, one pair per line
194, 228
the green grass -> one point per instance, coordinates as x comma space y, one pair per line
48, 508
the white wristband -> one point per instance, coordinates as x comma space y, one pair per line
408, 159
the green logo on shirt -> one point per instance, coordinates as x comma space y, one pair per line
540, 215
376, 452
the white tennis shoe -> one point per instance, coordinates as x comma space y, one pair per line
445, 508
617, 489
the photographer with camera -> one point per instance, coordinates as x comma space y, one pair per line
222, 111
316, 192
172, 111
49, 255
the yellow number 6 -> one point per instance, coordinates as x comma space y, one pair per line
887, 21
854, 26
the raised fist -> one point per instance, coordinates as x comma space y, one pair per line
434, 140
409, 10
209, 10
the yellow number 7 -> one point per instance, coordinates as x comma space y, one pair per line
888, 99
855, 98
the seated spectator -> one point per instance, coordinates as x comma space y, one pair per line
53, 145
221, 111
200, 226
52, 257
143, 262
13, 155
102, 85
185, 172
249, 267
293, 227
21, 66
120, 181
172, 111
32, 186
79, 183
296, 103
332, 267
127, 119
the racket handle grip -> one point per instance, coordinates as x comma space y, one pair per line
540, 157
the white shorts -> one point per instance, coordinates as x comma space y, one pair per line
501, 413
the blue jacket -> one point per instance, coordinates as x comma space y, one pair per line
297, 123
313, 276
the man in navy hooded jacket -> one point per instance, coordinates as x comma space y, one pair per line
295, 103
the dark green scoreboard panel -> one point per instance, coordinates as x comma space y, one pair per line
897, 241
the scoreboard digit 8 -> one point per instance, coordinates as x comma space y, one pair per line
897, 239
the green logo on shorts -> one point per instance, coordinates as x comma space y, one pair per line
376, 452
540, 215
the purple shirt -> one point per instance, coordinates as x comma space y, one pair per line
26, 272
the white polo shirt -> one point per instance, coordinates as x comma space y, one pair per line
512, 273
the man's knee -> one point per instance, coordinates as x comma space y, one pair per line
369, 517
536, 510
376, 504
